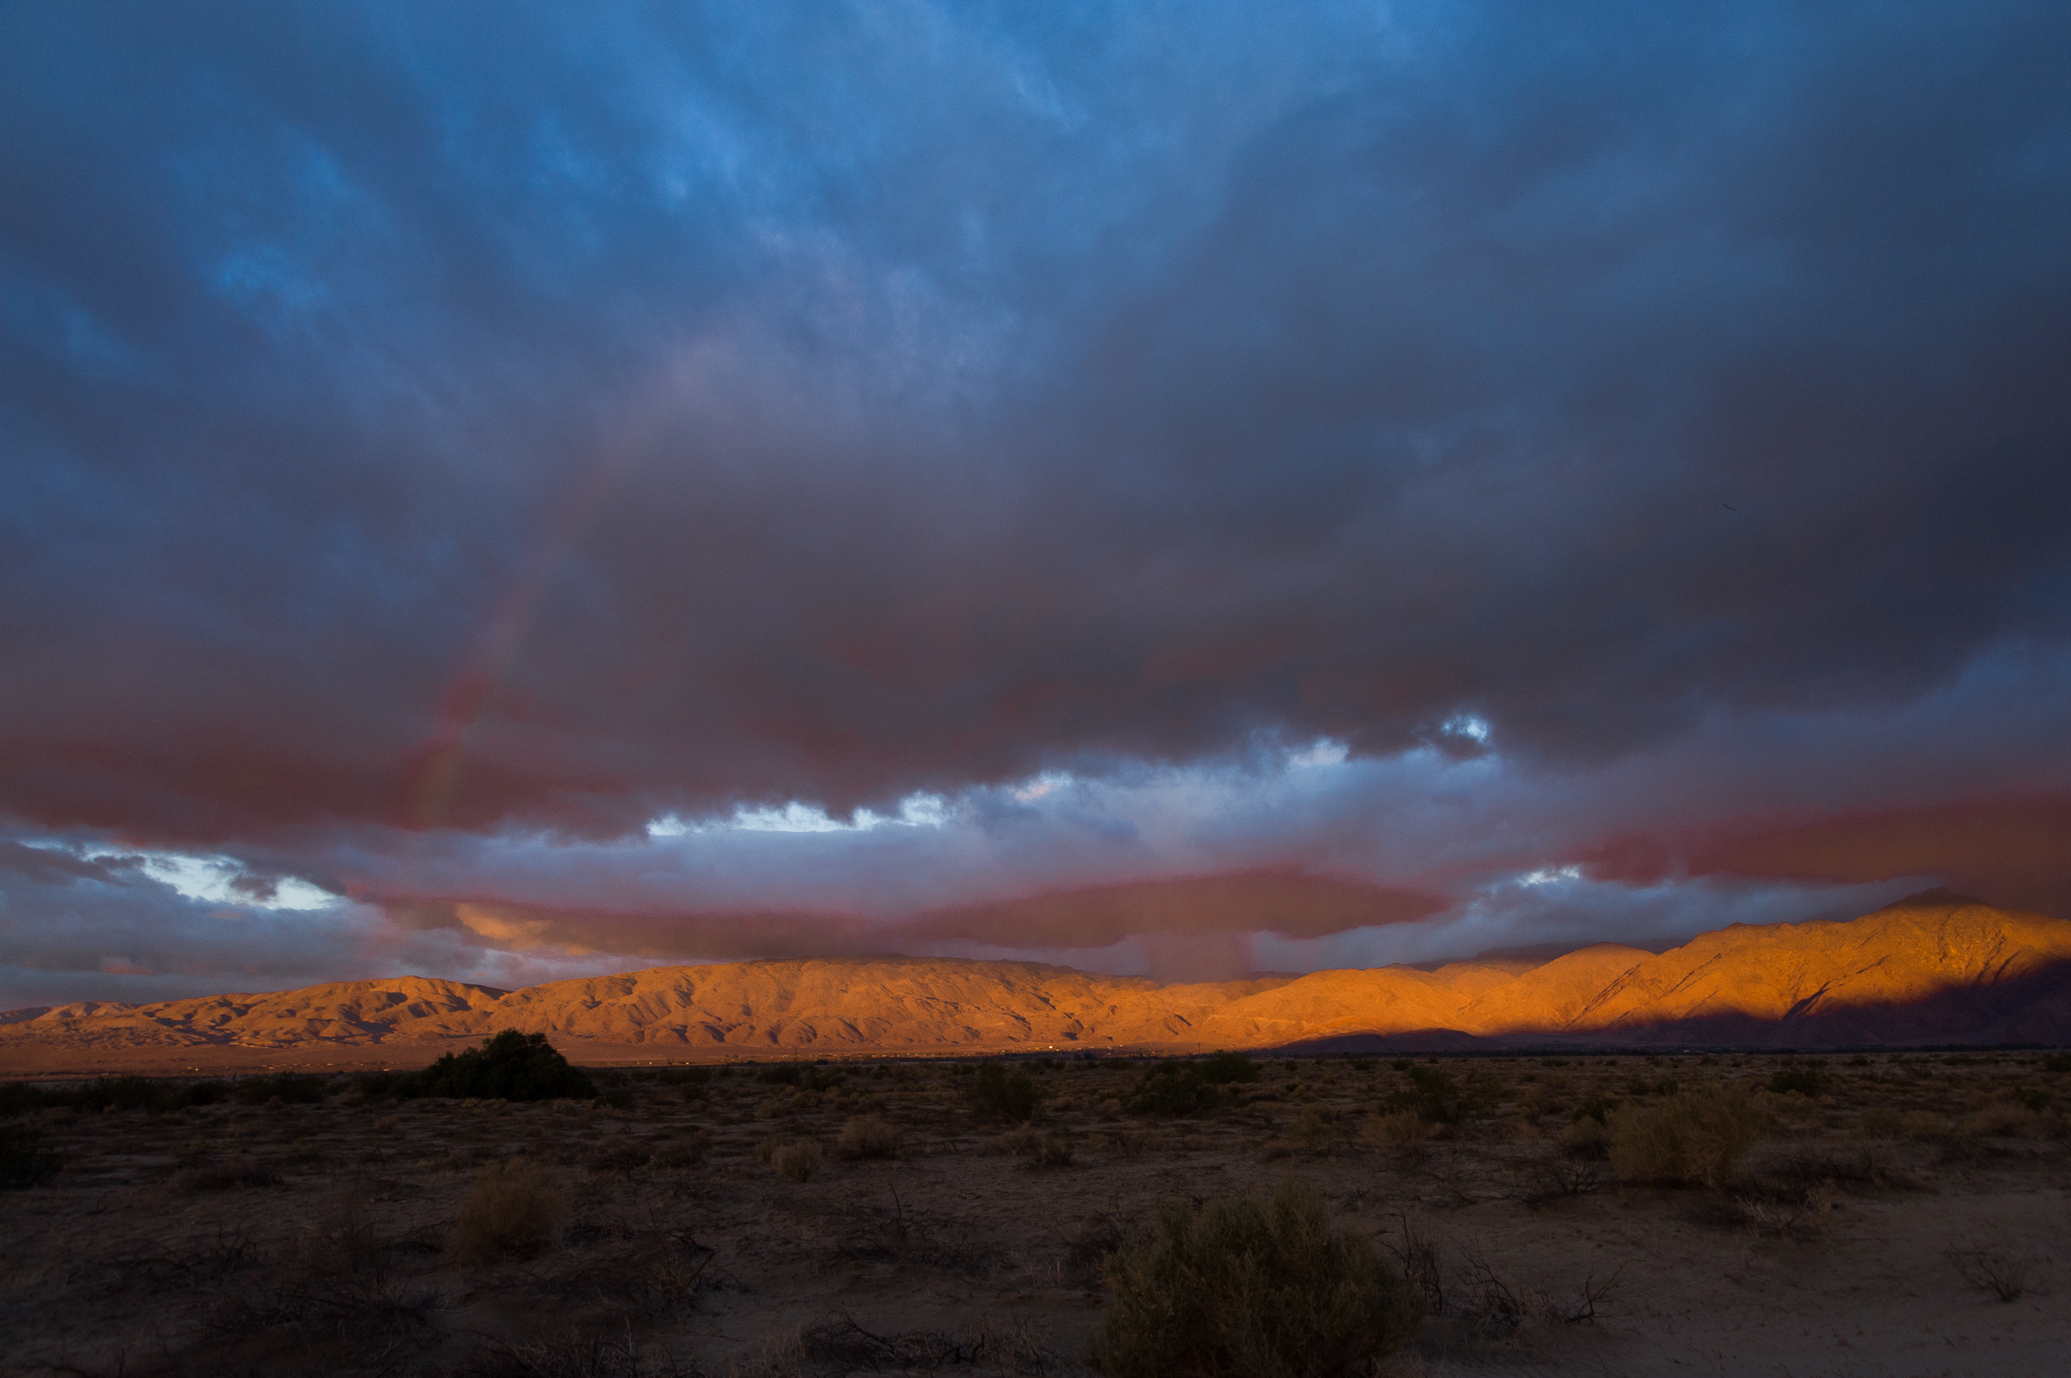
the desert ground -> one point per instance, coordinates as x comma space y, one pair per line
1894, 1214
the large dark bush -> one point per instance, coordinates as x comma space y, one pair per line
1245, 1288
998, 1094
510, 1066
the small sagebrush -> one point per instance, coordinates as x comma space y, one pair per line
513, 1211
798, 1161
1695, 1138
868, 1136
1244, 1288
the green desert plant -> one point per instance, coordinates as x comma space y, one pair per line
1245, 1288
510, 1066
1695, 1138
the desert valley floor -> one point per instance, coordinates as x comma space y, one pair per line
865, 1218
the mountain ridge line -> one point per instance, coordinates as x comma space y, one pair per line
1932, 968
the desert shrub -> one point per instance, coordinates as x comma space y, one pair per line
1172, 1089
798, 1161
2005, 1276
1221, 1069
1695, 1137
2057, 1062
377, 1086
1402, 1129
998, 1094
1922, 1124
510, 1066
1880, 1122
1314, 1128
803, 1075
692, 1083
1803, 1078
512, 1211
1586, 1137
683, 1151
2001, 1119
1596, 1108
20, 1097
1244, 1288
289, 1088
2035, 1100
1433, 1095
116, 1093
1036, 1149
24, 1161
1051, 1150
868, 1136
197, 1093
614, 1098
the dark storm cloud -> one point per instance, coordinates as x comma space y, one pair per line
529, 423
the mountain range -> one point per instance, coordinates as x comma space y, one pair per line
1935, 968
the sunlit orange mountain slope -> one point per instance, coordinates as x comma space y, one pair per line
1935, 968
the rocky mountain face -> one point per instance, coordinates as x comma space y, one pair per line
1937, 968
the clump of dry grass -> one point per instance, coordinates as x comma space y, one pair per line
1403, 1129
513, 1211
1314, 1128
2000, 1119
1694, 1138
868, 1136
1037, 1149
1244, 1286
1588, 1138
798, 1160
685, 1151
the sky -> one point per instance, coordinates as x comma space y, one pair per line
517, 491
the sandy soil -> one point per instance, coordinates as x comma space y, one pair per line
235, 1239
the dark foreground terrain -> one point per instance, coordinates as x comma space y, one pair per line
1890, 1214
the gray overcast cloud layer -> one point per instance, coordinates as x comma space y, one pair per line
439, 442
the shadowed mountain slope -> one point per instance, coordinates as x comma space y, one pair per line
1934, 968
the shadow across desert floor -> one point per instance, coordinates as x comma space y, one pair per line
1859, 1214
